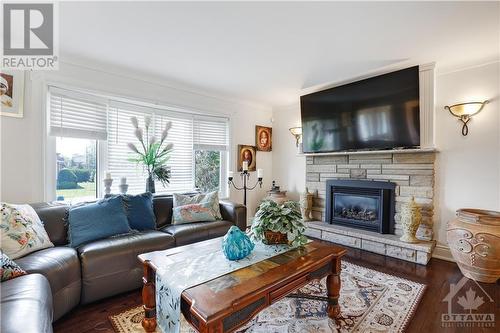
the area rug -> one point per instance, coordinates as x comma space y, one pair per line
370, 301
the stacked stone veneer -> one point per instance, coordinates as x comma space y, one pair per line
413, 174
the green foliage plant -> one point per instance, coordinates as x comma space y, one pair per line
284, 218
151, 153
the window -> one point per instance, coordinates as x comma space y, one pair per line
180, 135
210, 152
207, 170
76, 163
78, 122
99, 129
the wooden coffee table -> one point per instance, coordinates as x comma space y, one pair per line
228, 302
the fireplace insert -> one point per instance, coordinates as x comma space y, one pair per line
362, 204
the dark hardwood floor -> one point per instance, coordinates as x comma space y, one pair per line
437, 275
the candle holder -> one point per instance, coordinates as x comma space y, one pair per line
245, 176
123, 188
107, 185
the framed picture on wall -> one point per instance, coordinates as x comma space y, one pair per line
11, 93
263, 138
247, 154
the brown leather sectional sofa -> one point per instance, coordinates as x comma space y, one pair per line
61, 277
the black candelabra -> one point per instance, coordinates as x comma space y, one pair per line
245, 175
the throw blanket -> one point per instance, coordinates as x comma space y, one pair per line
202, 265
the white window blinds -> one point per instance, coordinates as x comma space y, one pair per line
76, 115
210, 133
181, 161
121, 132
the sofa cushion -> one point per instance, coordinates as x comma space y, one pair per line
110, 266
54, 216
26, 305
97, 220
195, 232
21, 230
9, 268
193, 213
61, 266
162, 205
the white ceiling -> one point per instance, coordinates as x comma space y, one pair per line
269, 52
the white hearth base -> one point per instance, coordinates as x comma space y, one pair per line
388, 245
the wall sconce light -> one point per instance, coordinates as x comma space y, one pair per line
464, 112
297, 133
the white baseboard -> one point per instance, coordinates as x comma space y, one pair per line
442, 252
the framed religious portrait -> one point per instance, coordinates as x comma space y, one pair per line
247, 154
11, 93
263, 138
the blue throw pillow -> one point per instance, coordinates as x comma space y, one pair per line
97, 220
139, 210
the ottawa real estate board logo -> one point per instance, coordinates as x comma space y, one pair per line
469, 306
29, 36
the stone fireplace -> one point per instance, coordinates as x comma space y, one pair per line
362, 204
404, 173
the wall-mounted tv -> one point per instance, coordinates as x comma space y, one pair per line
380, 112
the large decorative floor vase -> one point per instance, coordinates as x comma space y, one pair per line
474, 240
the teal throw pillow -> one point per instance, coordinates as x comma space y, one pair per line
139, 210
97, 220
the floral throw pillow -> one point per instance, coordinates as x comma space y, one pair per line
10, 269
211, 198
193, 213
21, 230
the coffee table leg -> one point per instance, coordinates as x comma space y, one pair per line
333, 289
149, 298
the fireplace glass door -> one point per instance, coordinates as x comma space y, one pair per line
362, 204
357, 209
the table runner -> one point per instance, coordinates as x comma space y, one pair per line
175, 274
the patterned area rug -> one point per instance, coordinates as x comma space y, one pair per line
370, 301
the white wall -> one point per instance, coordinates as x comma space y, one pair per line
22, 140
468, 168
21, 152
289, 169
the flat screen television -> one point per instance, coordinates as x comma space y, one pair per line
381, 112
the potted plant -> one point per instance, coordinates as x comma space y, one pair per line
279, 224
152, 154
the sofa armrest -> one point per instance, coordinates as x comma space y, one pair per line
234, 212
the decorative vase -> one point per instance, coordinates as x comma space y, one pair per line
474, 240
150, 184
236, 244
306, 201
411, 217
273, 237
